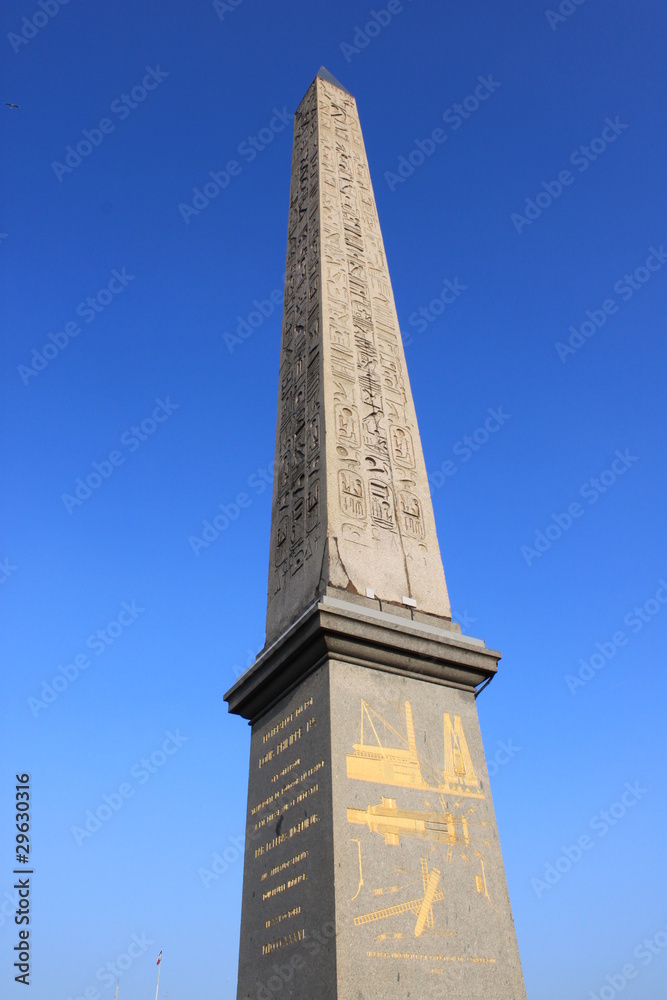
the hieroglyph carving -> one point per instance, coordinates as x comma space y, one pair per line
297, 490
378, 454
350, 471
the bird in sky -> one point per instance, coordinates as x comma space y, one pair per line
10, 105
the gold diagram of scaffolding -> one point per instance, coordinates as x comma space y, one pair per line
402, 765
421, 907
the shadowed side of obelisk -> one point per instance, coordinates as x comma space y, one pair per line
298, 526
288, 910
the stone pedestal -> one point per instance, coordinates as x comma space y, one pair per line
373, 867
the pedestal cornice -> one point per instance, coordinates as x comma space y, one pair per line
336, 629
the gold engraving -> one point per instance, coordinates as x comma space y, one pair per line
270, 893
281, 838
386, 756
393, 823
401, 765
297, 859
289, 741
361, 874
276, 729
286, 806
294, 912
422, 907
426, 909
286, 770
261, 805
458, 763
304, 824
480, 880
283, 942
430, 958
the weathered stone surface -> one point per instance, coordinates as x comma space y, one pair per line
351, 503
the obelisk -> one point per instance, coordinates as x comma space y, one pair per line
372, 863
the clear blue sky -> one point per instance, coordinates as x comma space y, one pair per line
172, 284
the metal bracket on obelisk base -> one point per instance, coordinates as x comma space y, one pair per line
351, 633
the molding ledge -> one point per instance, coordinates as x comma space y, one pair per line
339, 630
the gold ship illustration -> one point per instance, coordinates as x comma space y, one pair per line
401, 765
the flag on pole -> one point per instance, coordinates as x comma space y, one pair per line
159, 958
